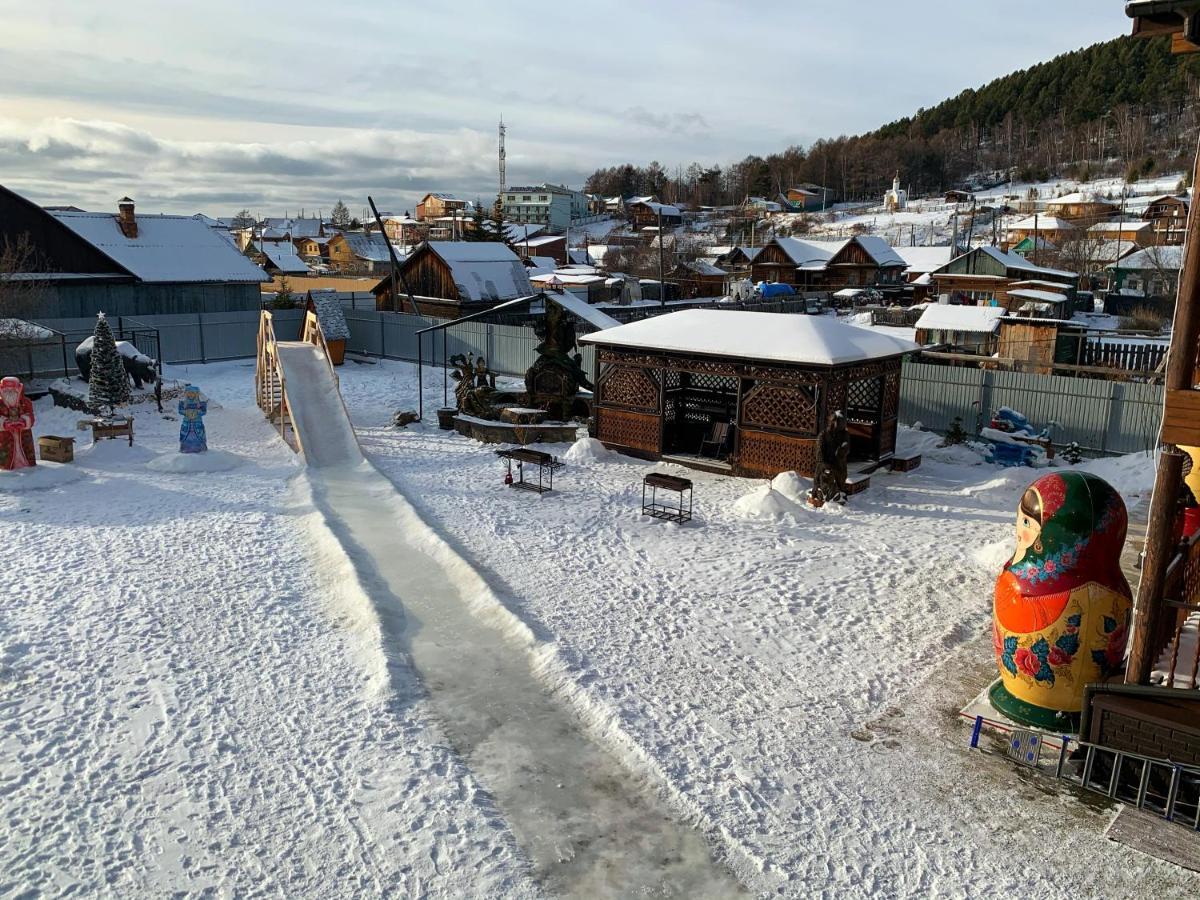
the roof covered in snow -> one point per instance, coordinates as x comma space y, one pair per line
924, 259
806, 253
741, 334
700, 267
1020, 263
283, 257
1075, 198
167, 249
879, 250
658, 208
1042, 223
1167, 257
975, 319
1114, 227
484, 270
372, 247
581, 309
330, 315
1037, 295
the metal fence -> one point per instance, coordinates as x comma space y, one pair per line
1102, 416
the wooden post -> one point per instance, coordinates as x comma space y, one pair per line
1180, 375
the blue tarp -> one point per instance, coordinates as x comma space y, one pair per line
776, 290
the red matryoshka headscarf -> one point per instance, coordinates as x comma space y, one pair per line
1083, 523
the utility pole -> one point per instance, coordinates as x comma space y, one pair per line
396, 273
502, 174
662, 285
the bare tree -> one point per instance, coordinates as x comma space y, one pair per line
22, 285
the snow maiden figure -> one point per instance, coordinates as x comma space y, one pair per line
16, 419
1061, 614
192, 408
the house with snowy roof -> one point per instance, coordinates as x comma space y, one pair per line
358, 253
649, 213
865, 261
455, 278
983, 277
1167, 216
1048, 228
436, 206
698, 278
1149, 272
788, 260
1081, 208
125, 263
280, 258
963, 329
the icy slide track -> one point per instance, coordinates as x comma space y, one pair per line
589, 827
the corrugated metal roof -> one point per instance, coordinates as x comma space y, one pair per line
484, 270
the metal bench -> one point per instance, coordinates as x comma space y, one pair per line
659, 510
545, 463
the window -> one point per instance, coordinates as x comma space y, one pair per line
542, 198
525, 198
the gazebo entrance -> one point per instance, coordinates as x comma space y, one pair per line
699, 415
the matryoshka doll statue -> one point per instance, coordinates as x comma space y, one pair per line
1062, 604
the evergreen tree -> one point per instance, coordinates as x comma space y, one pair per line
479, 225
108, 384
340, 216
497, 224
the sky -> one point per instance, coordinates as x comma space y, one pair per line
214, 106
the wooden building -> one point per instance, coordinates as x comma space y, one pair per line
1167, 216
768, 382
649, 214
790, 261
125, 264
960, 329
1046, 228
1081, 208
437, 206
864, 261
357, 253
1133, 233
1036, 345
699, 279
984, 275
455, 278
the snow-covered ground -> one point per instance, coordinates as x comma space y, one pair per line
196, 696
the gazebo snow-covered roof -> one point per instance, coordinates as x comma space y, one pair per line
741, 334
763, 386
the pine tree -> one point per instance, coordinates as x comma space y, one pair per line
108, 384
956, 434
479, 225
497, 225
340, 216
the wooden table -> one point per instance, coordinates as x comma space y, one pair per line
105, 430
546, 465
658, 510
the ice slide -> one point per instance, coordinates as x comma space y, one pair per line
314, 400
588, 825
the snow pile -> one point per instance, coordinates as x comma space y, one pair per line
586, 450
992, 557
792, 486
43, 475
1132, 476
188, 463
115, 452
764, 504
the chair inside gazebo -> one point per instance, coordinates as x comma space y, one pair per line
695, 402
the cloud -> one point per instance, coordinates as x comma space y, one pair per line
680, 123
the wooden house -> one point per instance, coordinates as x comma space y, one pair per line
807, 198
791, 261
454, 278
1167, 216
125, 264
864, 261
699, 279
1045, 228
983, 276
437, 206
647, 214
1081, 208
311, 249
766, 383
357, 253
1134, 233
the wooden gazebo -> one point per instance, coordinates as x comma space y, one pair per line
768, 383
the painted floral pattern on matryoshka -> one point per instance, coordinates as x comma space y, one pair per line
1062, 602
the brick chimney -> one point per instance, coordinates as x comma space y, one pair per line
126, 220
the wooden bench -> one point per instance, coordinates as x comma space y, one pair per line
546, 467
658, 510
856, 484
906, 463
111, 429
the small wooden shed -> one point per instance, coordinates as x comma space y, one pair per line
769, 381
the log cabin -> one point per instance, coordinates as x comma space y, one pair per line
455, 278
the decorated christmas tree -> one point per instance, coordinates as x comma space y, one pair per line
108, 385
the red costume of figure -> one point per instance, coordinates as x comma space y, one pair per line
16, 426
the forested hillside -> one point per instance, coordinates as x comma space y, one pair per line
1124, 106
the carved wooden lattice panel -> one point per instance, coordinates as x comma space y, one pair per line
788, 407
835, 396
887, 437
629, 386
891, 395
636, 431
766, 455
864, 394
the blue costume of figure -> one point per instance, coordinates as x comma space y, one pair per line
192, 408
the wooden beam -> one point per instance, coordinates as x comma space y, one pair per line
1181, 420
1179, 378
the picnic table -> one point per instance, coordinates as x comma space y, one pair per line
659, 510
545, 464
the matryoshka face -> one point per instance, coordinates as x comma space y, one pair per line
1029, 530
